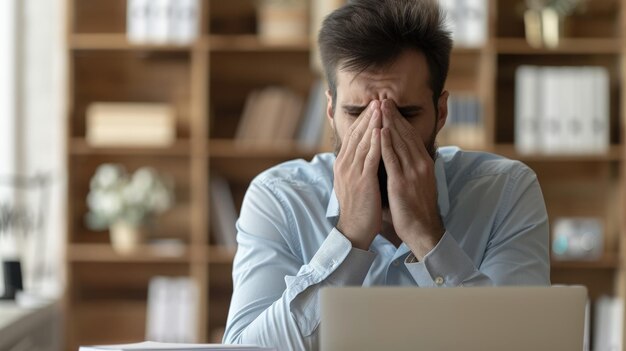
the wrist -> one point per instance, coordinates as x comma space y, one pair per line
423, 240
356, 241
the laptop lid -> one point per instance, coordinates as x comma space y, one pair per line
481, 318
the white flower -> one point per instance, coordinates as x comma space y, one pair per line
115, 196
107, 175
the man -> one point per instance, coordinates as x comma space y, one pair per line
387, 208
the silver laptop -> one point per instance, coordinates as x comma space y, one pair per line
503, 318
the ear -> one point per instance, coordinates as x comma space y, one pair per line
442, 107
329, 109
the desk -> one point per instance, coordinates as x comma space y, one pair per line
29, 328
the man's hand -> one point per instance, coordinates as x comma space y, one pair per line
356, 179
411, 183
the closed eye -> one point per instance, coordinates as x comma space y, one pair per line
354, 111
410, 112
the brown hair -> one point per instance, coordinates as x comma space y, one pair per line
367, 34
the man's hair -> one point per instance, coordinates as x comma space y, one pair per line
367, 34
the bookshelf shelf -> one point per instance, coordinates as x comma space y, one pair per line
467, 50
508, 150
219, 255
606, 262
80, 147
144, 254
250, 43
228, 148
580, 46
117, 42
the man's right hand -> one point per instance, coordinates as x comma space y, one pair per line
356, 179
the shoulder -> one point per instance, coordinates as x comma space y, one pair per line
474, 164
299, 175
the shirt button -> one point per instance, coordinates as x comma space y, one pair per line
439, 281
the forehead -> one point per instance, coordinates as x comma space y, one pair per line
405, 80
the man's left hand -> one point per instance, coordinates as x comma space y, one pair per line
411, 183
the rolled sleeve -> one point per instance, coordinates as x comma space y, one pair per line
336, 263
447, 265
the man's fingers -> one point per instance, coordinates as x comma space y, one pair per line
363, 148
404, 131
373, 155
356, 131
411, 137
402, 149
390, 158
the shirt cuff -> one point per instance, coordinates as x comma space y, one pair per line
336, 263
447, 265
341, 263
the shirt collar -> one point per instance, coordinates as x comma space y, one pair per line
443, 200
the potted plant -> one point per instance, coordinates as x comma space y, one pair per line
125, 203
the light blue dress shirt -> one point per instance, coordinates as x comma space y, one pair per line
496, 234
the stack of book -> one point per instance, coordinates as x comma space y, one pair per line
609, 322
130, 125
274, 116
162, 21
464, 126
562, 110
467, 20
270, 116
172, 310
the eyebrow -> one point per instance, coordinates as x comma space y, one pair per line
404, 110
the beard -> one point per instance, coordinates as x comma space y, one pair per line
431, 148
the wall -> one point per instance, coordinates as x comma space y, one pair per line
32, 109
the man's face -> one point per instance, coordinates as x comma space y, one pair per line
406, 82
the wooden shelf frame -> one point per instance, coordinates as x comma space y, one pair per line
77, 253
577, 46
78, 42
80, 147
203, 155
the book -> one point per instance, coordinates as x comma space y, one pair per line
137, 14
270, 116
223, 212
130, 124
562, 110
467, 21
474, 23
314, 117
608, 324
171, 316
289, 117
160, 21
600, 109
464, 126
184, 21
151, 345
527, 102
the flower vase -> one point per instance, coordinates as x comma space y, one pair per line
125, 238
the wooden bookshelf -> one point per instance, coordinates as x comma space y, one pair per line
146, 253
208, 82
250, 43
585, 46
116, 42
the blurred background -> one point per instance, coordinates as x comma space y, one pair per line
130, 130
